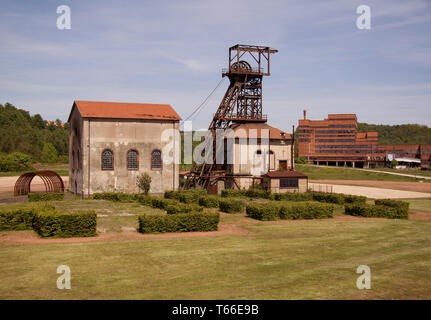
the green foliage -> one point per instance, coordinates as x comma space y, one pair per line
15, 161
231, 205
399, 134
289, 210
183, 208
301, 160
184, 222
251, 193
17, 219
381, 209
51, 223
49, 153
393, 203
48, 196
209, 201
394, 163
186, 196
293, 196
48, 222
162, 203
20, 132
144, 182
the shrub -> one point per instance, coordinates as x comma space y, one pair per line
293, 196
231, 206
51, 223
15, 161
162, 203
186, 196
227, 193
17, 219
183, 208
290, 211
143, 182
377, 210
48, 196
263, 211
209, 201
49, 153
393, 203
257, 193
114, 196
184, 222
306, 210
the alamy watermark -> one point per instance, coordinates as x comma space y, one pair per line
364, 280
64, 21
364, 20
63, 281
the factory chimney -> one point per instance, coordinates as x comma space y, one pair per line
305, 114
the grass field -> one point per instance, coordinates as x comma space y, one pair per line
274, 260
340, 173
426, 173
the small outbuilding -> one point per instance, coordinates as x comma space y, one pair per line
285, 181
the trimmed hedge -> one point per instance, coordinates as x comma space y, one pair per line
183, 208
231, 205
377, 211
48, 196
393, 203
289, 196
184, 222
186, 196
289, 211
209, 201
251, 193
51, 223
17, 219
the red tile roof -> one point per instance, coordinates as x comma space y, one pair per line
286, 174
123, 110
274, 133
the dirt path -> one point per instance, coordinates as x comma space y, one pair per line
396, 185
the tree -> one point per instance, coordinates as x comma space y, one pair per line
49, 153
144, 183
394, 163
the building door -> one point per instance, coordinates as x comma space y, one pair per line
282, 165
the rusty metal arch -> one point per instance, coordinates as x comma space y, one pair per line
52, 181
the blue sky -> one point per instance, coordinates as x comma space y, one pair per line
173, 52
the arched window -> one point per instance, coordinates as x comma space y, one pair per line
107, 160
132, 160
156, 159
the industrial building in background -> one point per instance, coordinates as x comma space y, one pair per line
336, 141
240, 113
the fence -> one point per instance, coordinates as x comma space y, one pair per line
320, 187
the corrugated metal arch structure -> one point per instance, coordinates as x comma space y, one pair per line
52, 181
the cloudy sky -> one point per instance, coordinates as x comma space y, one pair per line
173, 52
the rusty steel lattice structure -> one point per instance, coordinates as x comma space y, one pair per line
241, 103
52, 181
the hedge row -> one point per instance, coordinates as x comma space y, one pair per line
48, 222
183, 222
251, 193
52, 223
17, 219
231, 205
289, 211
48, 196
336, 198
391, 209
186, 196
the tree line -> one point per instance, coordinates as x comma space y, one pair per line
403, 134
26, 139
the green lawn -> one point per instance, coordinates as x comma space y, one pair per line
420, 204
426, 173
275, 260
340, 173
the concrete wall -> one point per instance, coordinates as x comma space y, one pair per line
120, 136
